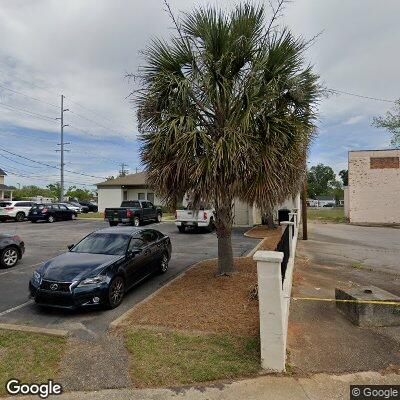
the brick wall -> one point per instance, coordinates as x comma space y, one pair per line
374, 186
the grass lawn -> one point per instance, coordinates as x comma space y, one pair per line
326, 214
175, 358
29, 357
91, 215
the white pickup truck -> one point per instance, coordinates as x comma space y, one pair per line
192, 218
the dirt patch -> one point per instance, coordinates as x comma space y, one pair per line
199, 301
262, 231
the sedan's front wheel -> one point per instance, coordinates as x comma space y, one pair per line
136, 221
116, 292
164, 263
9, 257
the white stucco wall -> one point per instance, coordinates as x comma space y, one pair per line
374, 193
133, 194
109, 197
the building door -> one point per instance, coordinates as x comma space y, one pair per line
241, 215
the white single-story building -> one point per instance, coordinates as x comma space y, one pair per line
111, 193
373, 193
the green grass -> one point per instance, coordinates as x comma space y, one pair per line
91, 215
29, 357
171, 358
326, 214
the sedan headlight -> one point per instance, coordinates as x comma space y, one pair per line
37, 278
93, 281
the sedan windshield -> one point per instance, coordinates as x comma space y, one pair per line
103, 243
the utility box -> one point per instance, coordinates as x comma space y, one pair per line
369, 314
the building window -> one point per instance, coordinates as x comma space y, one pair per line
384, 162
125, 195
150, 197
141, 196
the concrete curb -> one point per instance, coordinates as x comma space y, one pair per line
119, 321
247, 233
34, 329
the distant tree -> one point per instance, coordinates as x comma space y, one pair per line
109, 178
55, 189
80, 194
31, 191
391, 122
321, 180
344, 176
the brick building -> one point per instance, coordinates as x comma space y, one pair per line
373, 194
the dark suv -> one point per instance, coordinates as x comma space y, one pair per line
50, 213
93, 207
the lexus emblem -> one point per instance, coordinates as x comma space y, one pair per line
54, 286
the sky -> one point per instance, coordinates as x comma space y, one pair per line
84, 49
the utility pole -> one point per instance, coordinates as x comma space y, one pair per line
123, 171
62, 149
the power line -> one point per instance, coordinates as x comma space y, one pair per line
94, 112
51, 166
17, 162
29, 112
361, 96
29, 97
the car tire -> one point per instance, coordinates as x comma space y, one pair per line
163, 267
9, 257
20, 217
113, 223
116, 292
211, 226
182, 229
136, 221
159, 217
73, 217
33, 221
50, 219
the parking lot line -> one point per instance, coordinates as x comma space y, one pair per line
16, 269
16, 308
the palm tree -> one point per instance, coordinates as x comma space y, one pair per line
226, 110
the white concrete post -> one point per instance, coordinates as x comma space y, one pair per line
290, 226
271, 306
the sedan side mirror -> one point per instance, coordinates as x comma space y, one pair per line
70, 247
133, 253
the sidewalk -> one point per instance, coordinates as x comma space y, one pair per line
317, 387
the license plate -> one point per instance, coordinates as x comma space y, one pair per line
35, 212
115, 219
190, 223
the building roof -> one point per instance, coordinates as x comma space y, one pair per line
138, 179
2, 172
5, 187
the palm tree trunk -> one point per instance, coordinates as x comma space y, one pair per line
223, 223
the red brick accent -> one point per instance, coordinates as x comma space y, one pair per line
384, 162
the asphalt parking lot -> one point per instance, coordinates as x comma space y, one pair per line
44, 241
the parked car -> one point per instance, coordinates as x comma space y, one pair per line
82, 209
134, 212
101, 268
16, 210
51, 213
195, 218
91, 205
12, 248
72, 207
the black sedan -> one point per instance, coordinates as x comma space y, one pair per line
101, 268
50, 213
11, 249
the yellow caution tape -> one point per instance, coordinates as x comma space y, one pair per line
386, 303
